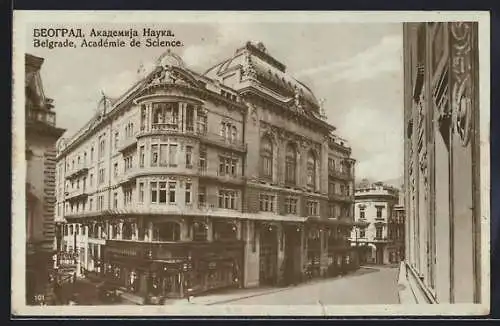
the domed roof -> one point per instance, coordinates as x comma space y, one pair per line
255, 60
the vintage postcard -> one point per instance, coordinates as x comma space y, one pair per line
250, 163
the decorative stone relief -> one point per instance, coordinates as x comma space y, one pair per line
461, 59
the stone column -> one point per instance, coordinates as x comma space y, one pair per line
120, 227
150, 231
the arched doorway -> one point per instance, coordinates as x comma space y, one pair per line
268, 255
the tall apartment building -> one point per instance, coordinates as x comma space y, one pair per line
443, 207
382, 237
41, 137
191, 182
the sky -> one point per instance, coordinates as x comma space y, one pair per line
357, 69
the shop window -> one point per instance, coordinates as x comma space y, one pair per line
167, 231
200, 231
225, 231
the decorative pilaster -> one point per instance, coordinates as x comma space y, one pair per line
461, 79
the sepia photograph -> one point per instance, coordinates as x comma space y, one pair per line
250, 163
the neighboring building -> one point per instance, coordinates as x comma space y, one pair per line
191, 182
442, 183
381, 238
41, 137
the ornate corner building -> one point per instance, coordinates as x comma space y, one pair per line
382, 238
191, 182
41, 137
442, 163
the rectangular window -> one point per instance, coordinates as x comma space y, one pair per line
141, 156
202, 199
378, 232
154, 155
171, 192
115, 169
127, 196
379, 212
163, 155
154, 192
362, 233
362, 213
91, 179
227, 199
117, 140
291, 205
202, 122
203, 160
163, 192
188, 193
266, 202
141, 192
115, 200
312, 208
173, 155
189, 153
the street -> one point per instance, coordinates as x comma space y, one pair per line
377, 285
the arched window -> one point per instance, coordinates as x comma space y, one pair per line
266, 156
127, 230
311, 169
291, 164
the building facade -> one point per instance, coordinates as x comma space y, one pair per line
191, 182
41, 137
382, 237
442, 190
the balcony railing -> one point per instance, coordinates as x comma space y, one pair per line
224, 178
222, 141
40, 115
127, 143
76, 193
344, 175
341, 197
79, 170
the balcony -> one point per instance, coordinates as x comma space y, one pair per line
341, 197
76, 194
80, 170
127, 144
342, 175
39, 115
221, 141
227, 178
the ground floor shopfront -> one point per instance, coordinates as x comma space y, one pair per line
157, 257
380, 253
172, 270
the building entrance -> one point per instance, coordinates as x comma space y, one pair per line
268, 256
292, 271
